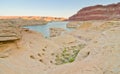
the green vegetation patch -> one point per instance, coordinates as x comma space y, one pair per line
68, 55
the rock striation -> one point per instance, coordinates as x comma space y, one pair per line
9, 33
98, 12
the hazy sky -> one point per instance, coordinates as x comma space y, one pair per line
59, 8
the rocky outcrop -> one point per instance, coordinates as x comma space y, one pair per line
56, 32
99, 56
9, 33
98, 12
73, 24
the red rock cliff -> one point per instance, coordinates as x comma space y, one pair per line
98, 12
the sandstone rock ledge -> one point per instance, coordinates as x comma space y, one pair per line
9, 33
8, 37
100, 56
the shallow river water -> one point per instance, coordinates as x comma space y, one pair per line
44, 29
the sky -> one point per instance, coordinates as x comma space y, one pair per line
55, 8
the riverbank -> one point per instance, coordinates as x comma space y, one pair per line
90, 49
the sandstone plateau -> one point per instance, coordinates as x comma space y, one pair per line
98, 12
93, 48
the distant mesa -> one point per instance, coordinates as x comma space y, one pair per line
98, 12
34, 18
28, 20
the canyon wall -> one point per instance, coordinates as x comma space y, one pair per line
98, 12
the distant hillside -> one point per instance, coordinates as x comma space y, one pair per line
98, 12
27, 20
34, 18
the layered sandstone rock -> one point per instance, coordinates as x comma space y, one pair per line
33, 54
9, 33
8, 37
98, 12
99, 56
